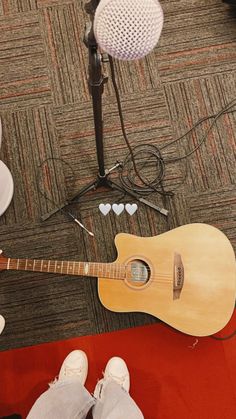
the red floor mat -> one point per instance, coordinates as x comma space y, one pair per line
172, 375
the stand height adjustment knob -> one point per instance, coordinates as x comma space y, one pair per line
105, 58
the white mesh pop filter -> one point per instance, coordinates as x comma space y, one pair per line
128, 29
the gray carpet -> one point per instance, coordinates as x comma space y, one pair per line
46, 112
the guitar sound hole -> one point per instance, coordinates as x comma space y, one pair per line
138, 273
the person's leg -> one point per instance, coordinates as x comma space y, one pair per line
67, 397
112, 394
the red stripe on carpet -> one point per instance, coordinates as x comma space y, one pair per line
172, 374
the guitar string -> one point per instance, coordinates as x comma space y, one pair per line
92, 264
120, 267
157, 276
140, 278
160, 278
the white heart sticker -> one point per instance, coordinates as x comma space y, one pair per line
131, 208
105, 208
118, 208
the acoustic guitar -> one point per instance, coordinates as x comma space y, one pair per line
186, 277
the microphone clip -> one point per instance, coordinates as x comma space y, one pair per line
91, 6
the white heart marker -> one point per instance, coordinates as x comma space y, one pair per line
118, 208
105, 208
131, 208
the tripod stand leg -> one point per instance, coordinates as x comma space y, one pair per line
90, 187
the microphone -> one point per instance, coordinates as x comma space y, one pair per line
128, 29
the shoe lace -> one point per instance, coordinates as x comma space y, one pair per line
68, 372
53, 382
119, 380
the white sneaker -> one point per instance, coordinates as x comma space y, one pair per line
116, 369
75, 366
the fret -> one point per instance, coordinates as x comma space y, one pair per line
10, 264
61, 267
26, 262
41, 267
17, 264
55, 266
71, 267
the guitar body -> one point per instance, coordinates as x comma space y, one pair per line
191, 283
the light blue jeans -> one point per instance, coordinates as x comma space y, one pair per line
71, 400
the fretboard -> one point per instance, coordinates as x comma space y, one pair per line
102, 270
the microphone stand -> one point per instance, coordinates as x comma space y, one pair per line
96, 86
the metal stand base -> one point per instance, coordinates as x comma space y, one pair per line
107, 183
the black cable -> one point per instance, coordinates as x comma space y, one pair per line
59, 208
130, 173
134, 163
128, 181
224, 337
226, 109
50, 199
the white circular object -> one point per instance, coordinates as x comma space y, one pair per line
2, 323
0, 132
128, 29
6, 187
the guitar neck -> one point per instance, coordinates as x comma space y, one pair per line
102, 270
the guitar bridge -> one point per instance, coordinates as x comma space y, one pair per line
178, 276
